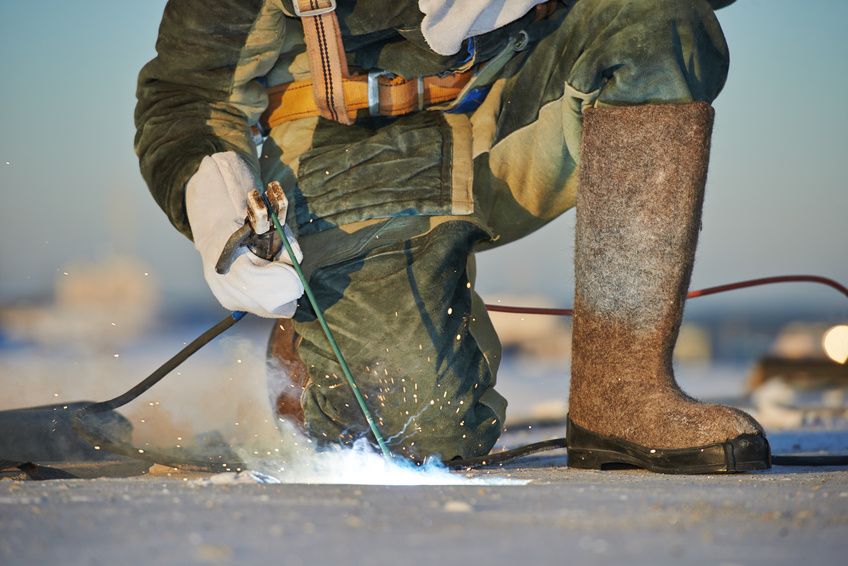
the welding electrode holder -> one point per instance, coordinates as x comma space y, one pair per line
258, 232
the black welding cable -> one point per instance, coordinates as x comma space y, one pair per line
499, 458
124, 449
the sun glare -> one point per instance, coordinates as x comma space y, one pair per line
835, 343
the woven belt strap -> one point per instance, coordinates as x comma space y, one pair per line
333, 93
384, 96
326, 56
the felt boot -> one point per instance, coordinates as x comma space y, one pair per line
642, 176
287, 376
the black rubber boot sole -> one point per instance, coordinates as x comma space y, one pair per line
591, 451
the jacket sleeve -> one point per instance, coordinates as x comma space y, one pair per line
201, 94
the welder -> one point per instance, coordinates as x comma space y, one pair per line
408, 136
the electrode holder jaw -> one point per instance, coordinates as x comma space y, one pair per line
257, 232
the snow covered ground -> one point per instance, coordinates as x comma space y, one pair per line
531, 511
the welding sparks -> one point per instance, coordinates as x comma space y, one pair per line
274, 451
284, 455
358, 465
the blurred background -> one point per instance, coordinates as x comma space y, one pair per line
97, 288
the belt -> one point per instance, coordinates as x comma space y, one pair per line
336, 95
382, 94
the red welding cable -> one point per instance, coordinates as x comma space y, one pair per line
767, 280
692, 294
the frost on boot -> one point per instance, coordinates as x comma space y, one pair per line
642, 176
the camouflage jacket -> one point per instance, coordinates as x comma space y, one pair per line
206, 87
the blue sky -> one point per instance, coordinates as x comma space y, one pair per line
70, 190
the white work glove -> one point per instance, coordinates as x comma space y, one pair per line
216, 204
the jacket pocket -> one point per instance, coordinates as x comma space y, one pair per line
398, 167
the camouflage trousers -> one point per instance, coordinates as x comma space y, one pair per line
390, 212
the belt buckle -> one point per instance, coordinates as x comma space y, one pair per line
374, 91
315, 12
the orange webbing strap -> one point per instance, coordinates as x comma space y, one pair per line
327, 61
397, 96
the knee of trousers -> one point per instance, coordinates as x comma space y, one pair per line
664, 51
403, 314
